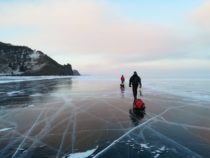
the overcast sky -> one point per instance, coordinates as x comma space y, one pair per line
114, 37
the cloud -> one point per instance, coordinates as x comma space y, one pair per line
201, 16
89, 27
201, 21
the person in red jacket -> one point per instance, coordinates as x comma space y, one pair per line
122, 79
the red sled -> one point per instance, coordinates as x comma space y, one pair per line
138, 104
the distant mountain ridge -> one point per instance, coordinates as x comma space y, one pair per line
22, 60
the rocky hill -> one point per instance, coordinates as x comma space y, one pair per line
21, 60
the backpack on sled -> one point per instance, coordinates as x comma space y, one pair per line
122, 85
139, 105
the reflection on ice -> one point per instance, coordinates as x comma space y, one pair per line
193, 89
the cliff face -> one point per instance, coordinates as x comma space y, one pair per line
76, 73
21, 60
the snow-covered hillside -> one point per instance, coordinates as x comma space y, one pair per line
21, 60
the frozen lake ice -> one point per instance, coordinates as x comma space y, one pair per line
77, 117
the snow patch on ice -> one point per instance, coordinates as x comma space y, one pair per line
30, 106
145, 146
81, 154
163, 148
159, 151
5, 129
157, 155
36, 95
14, 93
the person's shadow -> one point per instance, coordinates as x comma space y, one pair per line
122, 89
136, 115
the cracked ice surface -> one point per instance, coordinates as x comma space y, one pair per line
78, 116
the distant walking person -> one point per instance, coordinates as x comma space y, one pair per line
122, 86
122, 79
135, 80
